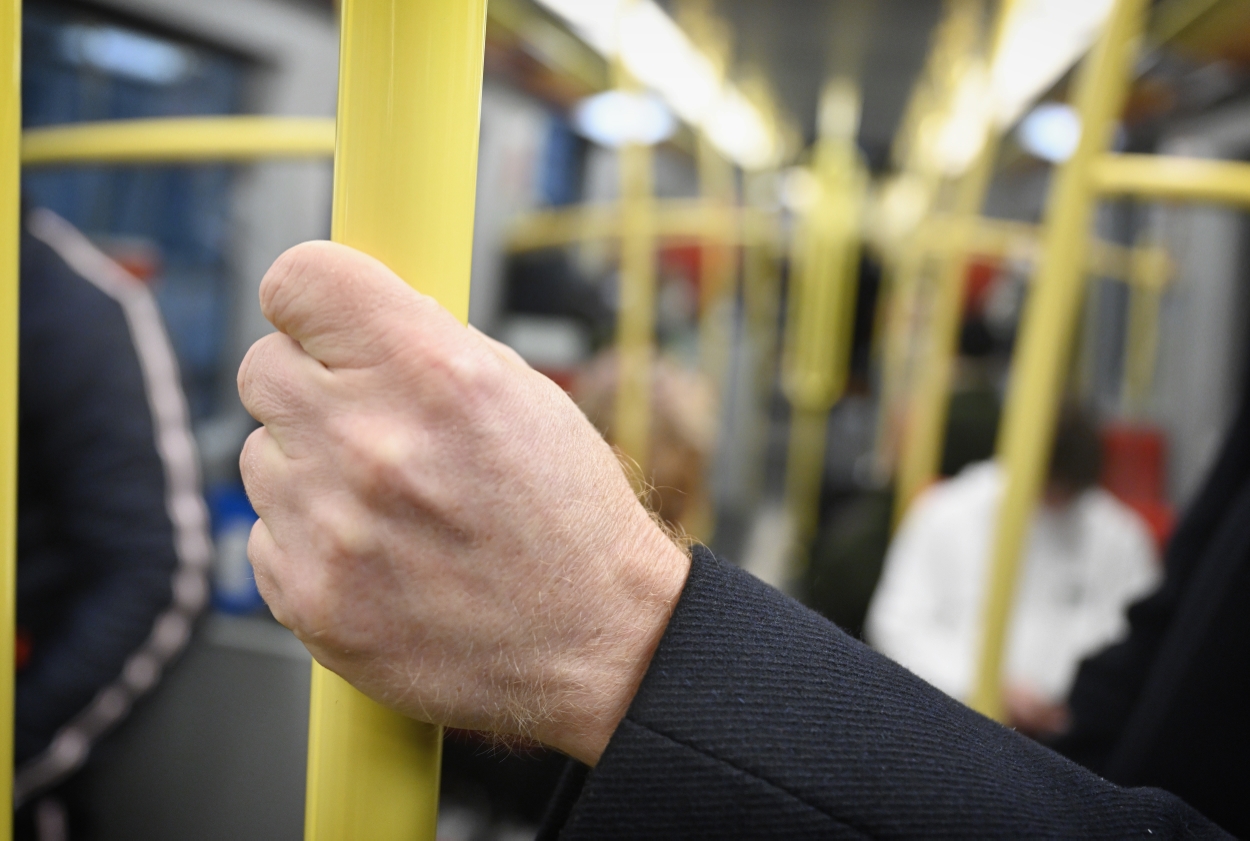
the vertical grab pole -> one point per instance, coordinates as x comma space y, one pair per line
821, 312
1047, 329
10, 222
921, 453
920, 456
635, 326
405, 167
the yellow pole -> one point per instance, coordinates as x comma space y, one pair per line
821, 312
405, 163
921, 452
1046, 332
10, 119
160, 139
635, 326
1150, 272
718, 254
1173, 178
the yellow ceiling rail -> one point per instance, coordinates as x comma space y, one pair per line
1047, 329
10, 226
179, 139
410, 79
1171, 178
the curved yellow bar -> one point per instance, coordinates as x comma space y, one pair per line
1040, 362
410, 84
1172, 178
10, 123
178, 139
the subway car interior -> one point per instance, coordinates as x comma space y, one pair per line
874, 298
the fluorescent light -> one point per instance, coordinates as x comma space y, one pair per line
126, 54
738, 131
962, 133
660, 56
1041, 40
655, 50
614, 118
1050, 131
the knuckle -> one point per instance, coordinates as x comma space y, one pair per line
381, 455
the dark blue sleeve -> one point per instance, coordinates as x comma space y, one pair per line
760, 719
96, 544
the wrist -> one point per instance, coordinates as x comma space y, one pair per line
645, 586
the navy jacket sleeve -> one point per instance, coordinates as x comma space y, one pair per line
760, 719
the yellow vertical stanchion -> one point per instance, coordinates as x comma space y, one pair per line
920, 455
1149, 274
405, 169
1047, 330
10, 132
821, 310
635, 326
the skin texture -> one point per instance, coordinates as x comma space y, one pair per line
439, 523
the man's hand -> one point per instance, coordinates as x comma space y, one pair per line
1030, 713
439, 524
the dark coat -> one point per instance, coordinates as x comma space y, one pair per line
758, 718
112, 538
1170, 706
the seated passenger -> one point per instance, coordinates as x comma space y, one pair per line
1088, 556
112, 531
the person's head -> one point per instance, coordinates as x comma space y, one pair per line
1076, 461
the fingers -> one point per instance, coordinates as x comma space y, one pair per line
267, 477
279, 383
347, 309
271, 568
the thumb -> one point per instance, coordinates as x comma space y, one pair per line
347, 309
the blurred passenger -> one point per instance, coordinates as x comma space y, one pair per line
1087, 557
112, 538
683, 434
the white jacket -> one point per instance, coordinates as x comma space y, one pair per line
1082, 567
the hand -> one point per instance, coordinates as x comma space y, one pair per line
1030, 713
439, 524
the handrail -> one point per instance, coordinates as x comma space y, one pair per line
1172, 178
10, 227
178, 139
405, 169
1046, 332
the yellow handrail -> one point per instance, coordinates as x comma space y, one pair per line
179, 139
635, 324
1172, 178
1046, 331
820, 317
405, 167
10, 227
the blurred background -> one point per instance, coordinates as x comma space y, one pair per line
813, 225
